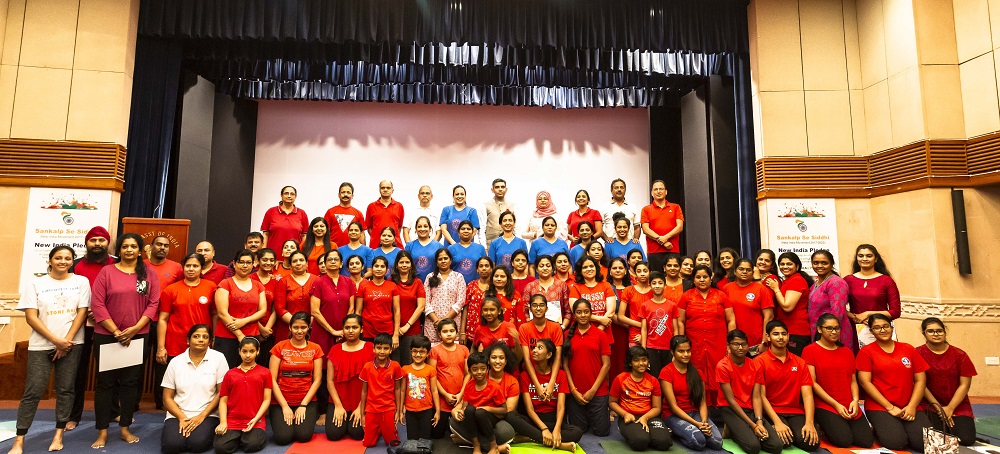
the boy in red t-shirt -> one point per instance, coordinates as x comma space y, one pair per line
382, 394
482, 405
658, 316
422, 407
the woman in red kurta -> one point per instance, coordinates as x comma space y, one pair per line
267, 259
870, 290
293, 294
343, 382
707, 315
791, 301
240, 303
412, 298
474, 294
753, 304
948, 381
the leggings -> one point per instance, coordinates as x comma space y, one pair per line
658, 437
844, 433
744, 435
200, 440
964, 429
594, 417
39, 369
230, 348
238, 440
346, 429
126, 383
285, 434
795, 423
658, 359
477, 424
418, 424
896, 434
691, 436
523, 425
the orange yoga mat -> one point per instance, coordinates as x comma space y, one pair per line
852, 450
320, 445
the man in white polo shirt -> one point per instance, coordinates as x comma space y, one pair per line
619, 205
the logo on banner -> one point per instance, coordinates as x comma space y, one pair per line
67, 218
801, 226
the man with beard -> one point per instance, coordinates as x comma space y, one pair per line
89, 265
339, 217
254, 243
211, 271
169, 272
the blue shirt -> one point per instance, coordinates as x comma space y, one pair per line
464, 259
390, 256
452, 218
541, 246
363, 251
575, 254
615, 249
423, 256
501, 250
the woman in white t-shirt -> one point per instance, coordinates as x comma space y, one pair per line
191, 395
55, 307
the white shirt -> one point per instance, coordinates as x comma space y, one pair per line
195, 386
57, 302
534, 227
410, 219
632, 212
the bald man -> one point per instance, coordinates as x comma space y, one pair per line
424, 196
384, 212
212, 270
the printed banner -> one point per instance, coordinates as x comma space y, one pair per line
802, 226
60, 216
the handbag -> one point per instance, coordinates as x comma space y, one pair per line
420, 446
940, 441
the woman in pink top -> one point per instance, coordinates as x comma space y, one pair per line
870, 290
124, 299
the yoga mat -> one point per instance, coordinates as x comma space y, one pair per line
988, 425
731, 446
321, 445
535, 448
620, 447
852, 450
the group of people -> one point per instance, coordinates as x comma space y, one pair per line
542, 343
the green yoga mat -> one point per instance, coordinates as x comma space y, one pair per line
731, 446
620, 447
535, 448
988, 425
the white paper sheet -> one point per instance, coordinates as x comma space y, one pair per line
116, 356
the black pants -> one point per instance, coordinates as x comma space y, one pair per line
658, 260
200, 440
658, 359
594, 417
477, 424
346, 429
443, 428
844, 433
158, 369
126, 383
418, 424
795, 423
230, 348
523, 425
402, 353
964, 429
658, 437
82, 375
899, 435
797, 343
238, 440
264, 356
744, 435
285, 434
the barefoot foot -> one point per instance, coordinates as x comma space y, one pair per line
102, 439
71, 425
57, 441
18, 447
127, 436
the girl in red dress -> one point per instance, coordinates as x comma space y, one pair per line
343, 382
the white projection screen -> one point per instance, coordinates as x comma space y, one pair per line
315, 146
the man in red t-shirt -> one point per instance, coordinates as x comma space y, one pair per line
787, 394
382, 213
169, 272
662, 222
97, 240
343, 215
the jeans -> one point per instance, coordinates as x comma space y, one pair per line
691, 436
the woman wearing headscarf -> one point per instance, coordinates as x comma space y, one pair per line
544, 207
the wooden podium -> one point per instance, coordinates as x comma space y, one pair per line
174, 229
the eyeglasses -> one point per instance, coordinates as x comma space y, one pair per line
739, 345
830, 329
244, 263
934, 332
882, 328
539, 306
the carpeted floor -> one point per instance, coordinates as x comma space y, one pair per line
148, 426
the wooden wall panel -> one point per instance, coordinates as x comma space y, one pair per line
63, 164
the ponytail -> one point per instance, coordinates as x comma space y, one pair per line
696, 387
